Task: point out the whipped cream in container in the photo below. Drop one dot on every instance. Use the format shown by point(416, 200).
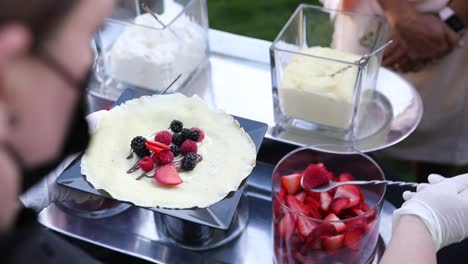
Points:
point(149, 56)
point(312, 90)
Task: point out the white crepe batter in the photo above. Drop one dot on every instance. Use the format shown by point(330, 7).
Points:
point(228, 153)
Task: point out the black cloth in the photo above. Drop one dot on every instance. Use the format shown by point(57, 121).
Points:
point(29, 242)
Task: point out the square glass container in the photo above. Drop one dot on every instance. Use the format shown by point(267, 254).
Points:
point(318, 83)
point(134, 49)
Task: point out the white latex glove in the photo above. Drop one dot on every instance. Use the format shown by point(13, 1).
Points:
point(47, 191)
point(442, 205)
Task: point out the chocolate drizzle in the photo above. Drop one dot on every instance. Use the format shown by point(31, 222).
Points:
point(134, 167)
point(130, 155)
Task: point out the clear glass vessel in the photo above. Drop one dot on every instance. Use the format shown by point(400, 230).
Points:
point(302, 237)
point(317, 80)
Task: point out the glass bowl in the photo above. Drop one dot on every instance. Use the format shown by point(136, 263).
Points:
point(135, 50)
point(306, 233)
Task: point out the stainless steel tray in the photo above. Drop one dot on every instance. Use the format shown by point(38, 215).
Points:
point(236, 79)
point(134, 232)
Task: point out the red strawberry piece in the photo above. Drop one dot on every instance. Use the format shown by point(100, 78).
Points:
point(325, 201)
point(164, 137)
point(331, 176)
point(352, 192)
point(340, 226)
point(287, 226)
point(359, 223)
point(279, 210)
point(146, 163)
point(156, 146)
point(333, 243)
point(301, 196)
point(305, 226)
point(299, 257)
point(164, 157)
point(314, 212)
point(202, 134)
point(338, 204)
point(345, 177)
point(188, 146)
point(311, 202)
point(293, 203)
point(167, 175)
point(314, 195)
point(292, 183)
point(323, 229)
point(282, 195)
point(365, 207)
point(352, 238)
point(357, 211)
point(314, 176)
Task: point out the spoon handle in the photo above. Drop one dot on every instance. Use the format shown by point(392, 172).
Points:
point(399, 183)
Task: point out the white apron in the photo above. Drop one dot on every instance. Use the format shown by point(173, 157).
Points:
point(442, 136)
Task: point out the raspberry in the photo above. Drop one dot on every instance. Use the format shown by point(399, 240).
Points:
point(178, 139)
point(190, 134)
point(138, 146)
point(200, 132)
point(189, 161)
point(188, 146)
point(146, 163)
point(164, 137)
point(164, 157)
point(176, 126)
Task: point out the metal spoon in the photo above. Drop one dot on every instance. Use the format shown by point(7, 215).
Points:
point(363, 60)
point(151, 12)
point(333, 184)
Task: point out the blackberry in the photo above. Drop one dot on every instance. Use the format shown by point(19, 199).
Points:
point(175, 150)
point(176, 126)
point(138, 146)
point(191, 134)
point(178, 139)
point(189, 161)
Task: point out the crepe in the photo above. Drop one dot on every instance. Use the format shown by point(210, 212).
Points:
point(228, 152)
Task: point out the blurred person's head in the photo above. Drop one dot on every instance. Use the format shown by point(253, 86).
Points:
point(45, 57)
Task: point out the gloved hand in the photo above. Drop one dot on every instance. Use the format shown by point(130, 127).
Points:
point(47, 191)
point(442, 205)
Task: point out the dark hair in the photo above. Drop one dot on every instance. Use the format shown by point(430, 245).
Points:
point(41, 17)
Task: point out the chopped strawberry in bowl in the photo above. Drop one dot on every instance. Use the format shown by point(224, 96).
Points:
point(337, 226)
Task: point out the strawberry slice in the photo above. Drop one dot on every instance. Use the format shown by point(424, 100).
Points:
point(314, 195)
point(345, 177)
point(315, 175)
point(305, 226)
point(352, 238)
point(301, 196)
point(296, 205)
point(324, 229)
point(292, 183)
point(352, 192)
point(333, 243)
point(339, 226)
point(338, 204)
point(357, 211)
point(167, 175)
point(359, 223)
point(156, 145)
point(325, 201)
point(287, 226)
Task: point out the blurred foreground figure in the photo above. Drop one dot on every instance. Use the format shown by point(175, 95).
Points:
point(45, 61)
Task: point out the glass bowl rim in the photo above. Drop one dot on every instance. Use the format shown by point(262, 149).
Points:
point(319, 148)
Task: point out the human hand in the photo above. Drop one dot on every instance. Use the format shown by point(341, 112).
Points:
point(442, 205)
point(48, 191)
point(418, 38)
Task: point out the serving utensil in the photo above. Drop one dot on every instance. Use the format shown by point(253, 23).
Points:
point(333, 184)
point(363, 60)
